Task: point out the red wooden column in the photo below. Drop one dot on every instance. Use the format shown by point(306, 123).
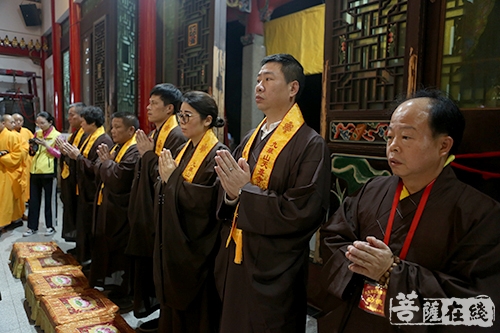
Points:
point(75, 63)
point(56, 60)
point(146, 73)
point(44, 88)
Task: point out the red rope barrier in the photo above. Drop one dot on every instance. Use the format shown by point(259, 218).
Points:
point(485, 174)
point(479, 155)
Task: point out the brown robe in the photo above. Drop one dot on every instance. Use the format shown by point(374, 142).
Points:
point(111, 229)
point(69, 197)
point(187, 240)
point(455, 252)
point(142, 226)
point(87, 187)
point(267, 291)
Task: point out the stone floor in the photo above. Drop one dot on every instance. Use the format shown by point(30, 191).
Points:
point(13, 308)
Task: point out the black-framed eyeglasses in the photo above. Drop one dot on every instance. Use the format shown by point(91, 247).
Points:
point(183, 117)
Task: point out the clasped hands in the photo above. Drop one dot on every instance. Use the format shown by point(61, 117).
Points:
point(371, 258)
point(144, 143)
point(104, 153)
point(233, 175)
point(67, 148)
point(166, 165)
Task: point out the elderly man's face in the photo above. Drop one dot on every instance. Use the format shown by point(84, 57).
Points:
point(412, 151)
point(74, 119)
point(9, 122)
point(19, 121)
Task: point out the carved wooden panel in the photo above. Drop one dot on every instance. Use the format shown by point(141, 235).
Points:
point(366, 67)
point(100, 64)
point(194, 46)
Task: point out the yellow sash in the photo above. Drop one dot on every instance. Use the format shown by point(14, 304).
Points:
point(89, 142)
point(78, 136)
point(117, 159)
point(261, 175)
point(205, 145)
point(170, 124)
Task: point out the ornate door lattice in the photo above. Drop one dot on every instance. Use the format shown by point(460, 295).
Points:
point(126, 50)
point(194, 45)
point(100, 64)
point(365, 71)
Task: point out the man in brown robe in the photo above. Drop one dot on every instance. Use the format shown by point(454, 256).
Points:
point(455, 249)
point(69, 196)
point(261, 276)
point(86, 157)
point(110, 267)
point(164, 102)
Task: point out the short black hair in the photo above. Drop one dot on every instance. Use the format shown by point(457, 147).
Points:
point(444, 115)
point(169, 94)
point(93, 114)
point(205, 105)
point(47, 116)
point(290, 67)
point(129, 119)
point(78, 107)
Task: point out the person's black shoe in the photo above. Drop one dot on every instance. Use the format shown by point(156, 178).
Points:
point(148, 327)
point(15, 224)
point(125, 303)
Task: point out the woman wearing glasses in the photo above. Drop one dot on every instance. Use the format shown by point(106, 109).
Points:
point(43, 173)
point(187, 231)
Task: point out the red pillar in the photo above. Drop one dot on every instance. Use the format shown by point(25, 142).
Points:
point(44, 88)
point(56, 60)
point(146, 73)
point(254, 24)
point(75, 67)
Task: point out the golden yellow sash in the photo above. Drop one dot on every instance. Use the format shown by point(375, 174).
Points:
point(89, 142)
point(78, 136)
point(117, 159)
point(207, 142)
point(261, 175)
point(170, 124)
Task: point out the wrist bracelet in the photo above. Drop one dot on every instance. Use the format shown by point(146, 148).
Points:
point(384, 279)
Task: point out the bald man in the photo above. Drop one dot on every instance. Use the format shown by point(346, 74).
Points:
point(17, 185)
point(26, 134)
point(10, 159)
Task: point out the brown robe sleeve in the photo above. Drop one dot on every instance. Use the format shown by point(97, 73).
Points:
point(187, 233)
point(85, 169)
point(142, 195)
point(455, 251)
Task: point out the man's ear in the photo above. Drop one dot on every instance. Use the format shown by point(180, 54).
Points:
point(446, 144)
point(170, 108)
point(294, 88)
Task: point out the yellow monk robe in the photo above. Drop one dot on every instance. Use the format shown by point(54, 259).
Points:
point(26, 134)
point(8, 168)
point(17, 185)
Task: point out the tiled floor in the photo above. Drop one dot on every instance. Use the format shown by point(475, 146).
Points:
point(13, 311)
